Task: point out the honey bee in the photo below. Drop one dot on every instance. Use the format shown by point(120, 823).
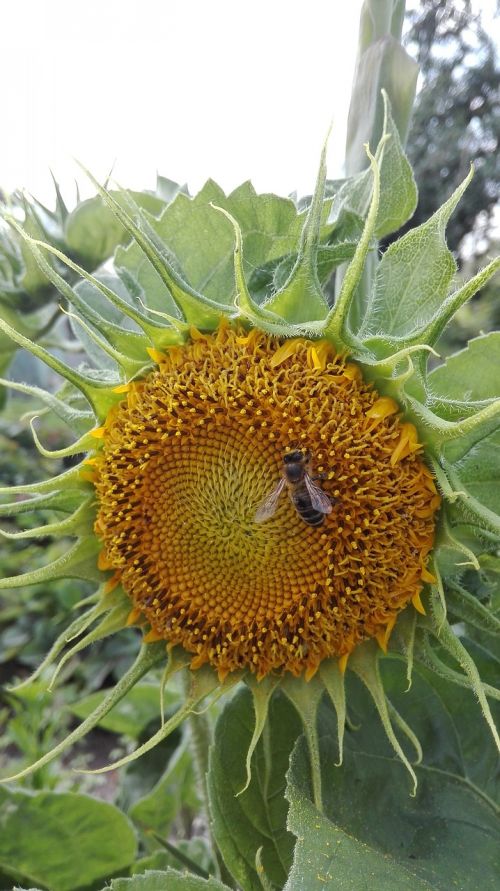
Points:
point(308, 499)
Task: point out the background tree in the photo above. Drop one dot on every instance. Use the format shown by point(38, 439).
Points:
point(456, 116)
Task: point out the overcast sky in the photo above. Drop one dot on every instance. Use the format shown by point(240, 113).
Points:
point(233, 89)
point(192, 89)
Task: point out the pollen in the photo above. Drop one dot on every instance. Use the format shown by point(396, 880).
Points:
point(192, 452)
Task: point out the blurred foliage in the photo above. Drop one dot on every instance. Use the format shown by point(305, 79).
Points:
point(88, 234)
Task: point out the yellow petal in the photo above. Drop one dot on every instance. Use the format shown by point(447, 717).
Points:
point(103, 562)
point(408, 443)
point(112, 583)
point(352, 372)
point(133, 616)
point(195, 334)
point(156, 355)
point(417, 603)
point(152, 636)
point(249, 339)
point(342, 663)
point(318, 355)
point(287, 349)
point(222, 674)
point(399, 451)
point(311, 671)
point(88, 475)
point(384, 635)
point(382, 408)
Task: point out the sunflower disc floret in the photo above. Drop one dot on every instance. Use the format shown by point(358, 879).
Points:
point(188, 457)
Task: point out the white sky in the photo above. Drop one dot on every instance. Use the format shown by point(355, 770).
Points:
point(198, 88)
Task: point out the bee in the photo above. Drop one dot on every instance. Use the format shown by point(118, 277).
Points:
point(308, 499)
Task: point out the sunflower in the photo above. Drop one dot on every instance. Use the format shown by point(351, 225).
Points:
point(188, 457)
point(228, 360)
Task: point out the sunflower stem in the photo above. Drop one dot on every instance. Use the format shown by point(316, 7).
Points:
point(200, 742)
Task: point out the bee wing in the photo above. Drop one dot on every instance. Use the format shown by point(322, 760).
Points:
point(268, 505)
point(319, 499)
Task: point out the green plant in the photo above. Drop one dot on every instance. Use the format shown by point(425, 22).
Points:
point(325, 676)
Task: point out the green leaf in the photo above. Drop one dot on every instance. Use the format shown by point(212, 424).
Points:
point(270, 227)
point(412, 281)
point(167, 189)
point(78, 421)
point(95, 390)
point(104, 307)
point(93, 232)
point(29, 326)
point(470, 464)
point(133, 713)
point(112, 299)
point(479, 471)
point(62, 841)
point(397, 200)
point(255, 819)
point(329, 859)
point(196, 851)
point(192, 306)
point(174, 790)
point(203, 683)
point(470, 376)
point(398, 190)
point(466, 605)
point(435, 327)
point(80, 562)
point(18, 888)
point(447, 720)
point(8, 350)
point(382, 63)
point(351, 283)
point(445, 837)
point(168, 880)
point(341, 245)
point(301, 298)
point(115, 341)
point(33, 280)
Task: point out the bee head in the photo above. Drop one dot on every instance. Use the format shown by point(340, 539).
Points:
point(293, 457)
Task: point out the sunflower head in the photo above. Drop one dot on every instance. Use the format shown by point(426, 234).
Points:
point(272, 486)
point(224, 428)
